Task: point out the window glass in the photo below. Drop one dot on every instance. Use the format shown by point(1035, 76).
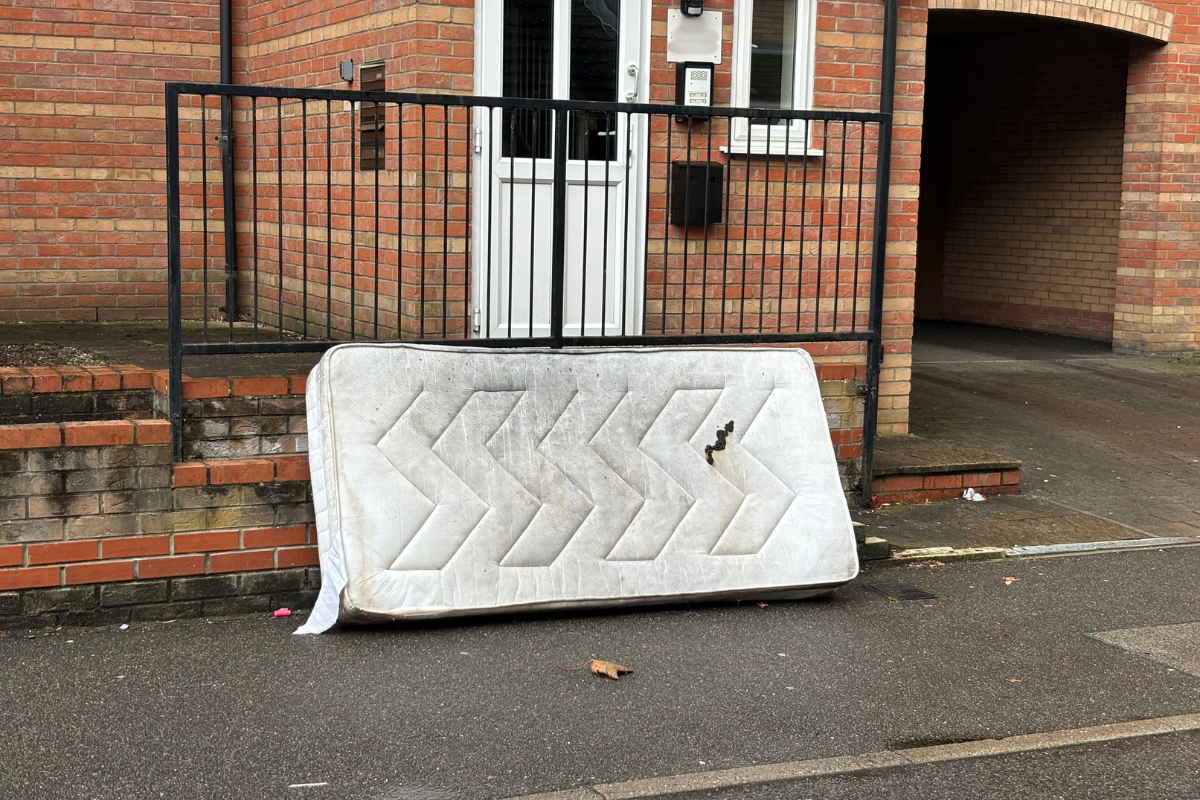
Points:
point(772, 53)
point(372, 120)
point(595, 26)
point(528, 72)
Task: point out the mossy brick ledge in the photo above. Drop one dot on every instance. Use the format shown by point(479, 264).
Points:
point(89, 505)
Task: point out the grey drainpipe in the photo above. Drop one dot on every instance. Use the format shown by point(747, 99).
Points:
point(227, 178)
point(887, 103)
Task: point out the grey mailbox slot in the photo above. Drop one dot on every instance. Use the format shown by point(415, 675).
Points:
point(696, 192)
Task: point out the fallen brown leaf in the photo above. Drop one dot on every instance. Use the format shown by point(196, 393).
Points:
point(608, 668)
point(1009, 581)
point(599, 667)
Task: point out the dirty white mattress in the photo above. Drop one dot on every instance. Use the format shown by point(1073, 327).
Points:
point(460, 480)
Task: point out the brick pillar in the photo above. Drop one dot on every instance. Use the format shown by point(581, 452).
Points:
point(1158, 262)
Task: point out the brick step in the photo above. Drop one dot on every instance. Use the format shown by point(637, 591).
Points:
point(38, 395)
point(912, 469)
point(228, 471)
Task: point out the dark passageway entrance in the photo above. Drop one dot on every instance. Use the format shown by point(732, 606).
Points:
point(1021, 173)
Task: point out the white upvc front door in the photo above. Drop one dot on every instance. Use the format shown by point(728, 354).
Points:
point(570, 50)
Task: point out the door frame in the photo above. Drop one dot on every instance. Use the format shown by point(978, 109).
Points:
point(488, 82)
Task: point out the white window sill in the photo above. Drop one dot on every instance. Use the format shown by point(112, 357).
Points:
point(791, 149)
point(790, 140)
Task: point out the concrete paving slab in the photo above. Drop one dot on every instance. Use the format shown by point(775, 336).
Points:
point(1099, 440)
point(1177, 646)
point(949, 342)
point(916, 455)
point(1114, 441)
point(997, 522)
point(144, 344)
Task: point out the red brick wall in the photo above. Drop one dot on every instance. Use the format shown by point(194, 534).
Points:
point(118, 237)
point(82, 193)
point(1158, 262)
point(847, 69)
point(82, 142)
point(428, 46)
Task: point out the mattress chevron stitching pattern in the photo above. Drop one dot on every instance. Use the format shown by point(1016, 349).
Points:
point(468, 480)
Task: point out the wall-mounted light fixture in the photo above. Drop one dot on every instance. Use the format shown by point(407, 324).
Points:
point(346, 69)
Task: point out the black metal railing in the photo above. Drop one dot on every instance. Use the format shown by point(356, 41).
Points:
point(500, 221)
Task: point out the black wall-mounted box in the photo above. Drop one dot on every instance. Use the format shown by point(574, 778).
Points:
point(696, 192)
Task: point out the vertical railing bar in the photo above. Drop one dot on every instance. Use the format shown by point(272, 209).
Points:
point(279, 221)
point(229, 212)
point(354, 165)
point(808, 128)
point(704, 264)
point(422, 204)
point(583, 282)
point(400, 172)
point(862, 152)
point(375, 229)
point(625, 255)
point(762, 269)
point(687, 230)
point(445, 213)
point(887, 96)
point(469, 232)
point(204, 205)
point(487, 267)
point(174, 278)
point(745, 227)
point(512, 202)
point(609, 154)
point(821, 226)
point(667, 222)
point(558, 255)
point(837, 281)
point(787, 178)
point(304, 218)
point(328, 220)
point(533, 212)
point(254, 172)
point(728, 213)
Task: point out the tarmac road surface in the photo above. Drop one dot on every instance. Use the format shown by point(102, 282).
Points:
point(243, 709)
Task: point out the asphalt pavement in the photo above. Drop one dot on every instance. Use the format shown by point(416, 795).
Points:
point(482, 709)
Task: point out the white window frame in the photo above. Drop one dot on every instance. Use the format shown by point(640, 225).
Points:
point(744, 137)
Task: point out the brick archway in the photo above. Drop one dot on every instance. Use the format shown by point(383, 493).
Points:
point(1122, 15)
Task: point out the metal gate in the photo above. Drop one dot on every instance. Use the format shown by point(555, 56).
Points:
point(494, 222)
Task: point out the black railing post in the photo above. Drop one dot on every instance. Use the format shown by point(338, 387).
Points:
point(227, 177)
point(883, 169)
point(229, 208)
point(558, 252)
point(174, 288)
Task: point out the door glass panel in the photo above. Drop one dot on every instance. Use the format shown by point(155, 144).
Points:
point(595, 30)
point(772, 53)
point(528, 72)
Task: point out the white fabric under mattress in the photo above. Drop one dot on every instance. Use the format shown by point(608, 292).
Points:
point(456, 480)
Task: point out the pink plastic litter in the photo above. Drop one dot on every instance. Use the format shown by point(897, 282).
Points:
point(283, 612)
